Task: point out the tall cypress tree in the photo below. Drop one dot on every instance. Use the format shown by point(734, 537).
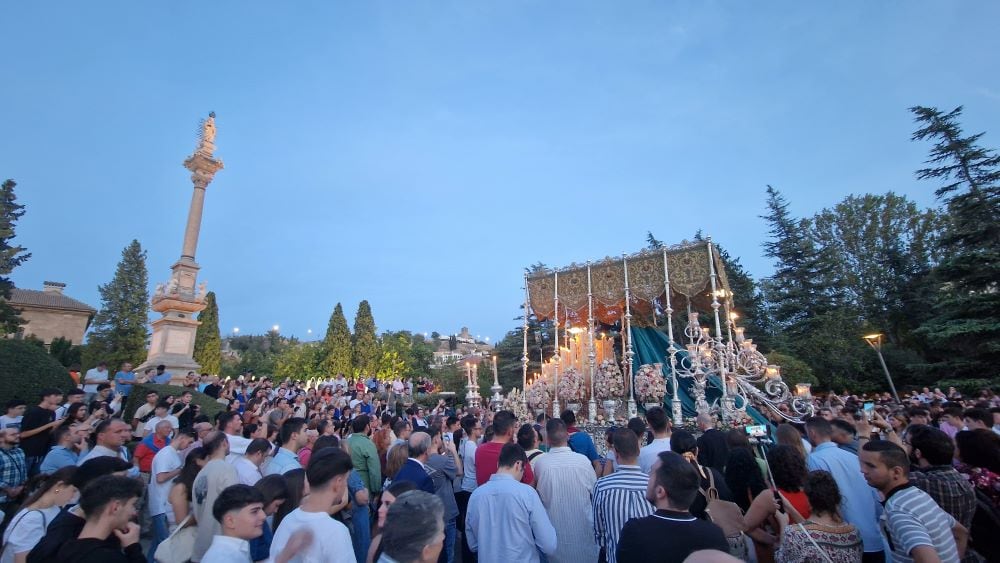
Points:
point(964, 328)
point(366, 350)
point(337, 346)
point(208, 340)
point(11, 256)
point(119, 328)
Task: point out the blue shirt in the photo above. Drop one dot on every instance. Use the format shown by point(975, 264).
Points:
point(283, 462)
point(162, 379)
point(123, 382)
point(57, 458)
point(859, 505)
point(582, 443)
point(506, 521)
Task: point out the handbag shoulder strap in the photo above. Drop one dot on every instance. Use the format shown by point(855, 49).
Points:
point(821, 551)
point(712, 493)
point(180, 526)
point(45, 524)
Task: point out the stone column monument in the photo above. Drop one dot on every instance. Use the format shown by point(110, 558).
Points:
point(180, 298)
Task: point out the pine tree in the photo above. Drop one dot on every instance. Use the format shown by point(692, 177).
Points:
point(802, 286)
point(337, 346)
point(964, 328)
point(366, 353)
point(119, 328)
point(10, 256)
point(208, 340)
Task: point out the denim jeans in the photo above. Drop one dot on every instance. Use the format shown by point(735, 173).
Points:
point(450, 533)
point(362, 538)
point(161, 530)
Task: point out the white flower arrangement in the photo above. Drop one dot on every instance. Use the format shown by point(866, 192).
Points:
point(514, 404)
point(539, 394)
point(608, 381)
point(650, 386)
point(571, 388)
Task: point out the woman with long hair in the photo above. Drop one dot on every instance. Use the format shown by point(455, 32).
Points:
point(396, 460)
point(978, 453)
point(180, 492)
point(51, 493)
point(382, 439)
point(789, 472)
point(389, 496)
point(742, 471)
point(275, 492)
point(298, 488)
point(824, 536)
point(788, 435)
point(683, 443)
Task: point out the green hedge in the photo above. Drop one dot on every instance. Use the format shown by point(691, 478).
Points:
point(26, 369)
point(137, 397)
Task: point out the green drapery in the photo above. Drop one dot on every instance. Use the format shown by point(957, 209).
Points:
point(650, 347)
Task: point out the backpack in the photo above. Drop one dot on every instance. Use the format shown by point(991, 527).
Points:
point(726, 515)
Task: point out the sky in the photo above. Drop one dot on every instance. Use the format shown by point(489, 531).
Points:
point(421, 154)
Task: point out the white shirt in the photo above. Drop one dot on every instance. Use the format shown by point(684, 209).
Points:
point(248, 472)
point(237, 447)
point(100, 451)
point(166, 460)
point(331, 540)
point(92, 373)
point(225, 549)
point(565, 481)
point(10, 421)
point(649, 453)
point(24, 531)
point(151, 424)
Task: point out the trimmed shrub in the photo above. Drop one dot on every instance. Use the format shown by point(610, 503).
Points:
point(26, 369)
point(137, 396)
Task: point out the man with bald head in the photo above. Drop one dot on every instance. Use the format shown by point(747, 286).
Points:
point(416, 470)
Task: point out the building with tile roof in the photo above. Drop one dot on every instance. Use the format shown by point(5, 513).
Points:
point(49, 313)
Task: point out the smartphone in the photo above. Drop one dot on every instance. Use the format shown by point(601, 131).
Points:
point(756, 430)
point(869, 410)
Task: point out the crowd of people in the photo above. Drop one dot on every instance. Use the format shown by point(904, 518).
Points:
point(343, 470)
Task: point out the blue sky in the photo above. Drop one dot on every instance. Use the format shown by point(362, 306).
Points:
point(421, 154)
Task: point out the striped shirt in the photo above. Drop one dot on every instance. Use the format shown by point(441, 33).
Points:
point(565, 482)
point(618, 498)
point(912, 519)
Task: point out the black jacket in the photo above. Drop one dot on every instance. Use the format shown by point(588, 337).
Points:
point(93, 550)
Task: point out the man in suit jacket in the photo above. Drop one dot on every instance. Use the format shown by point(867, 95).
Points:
point(416, 470)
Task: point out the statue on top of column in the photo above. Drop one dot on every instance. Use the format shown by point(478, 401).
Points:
point(207, 135)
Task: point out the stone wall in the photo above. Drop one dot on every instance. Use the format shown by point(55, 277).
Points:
point(47, 324)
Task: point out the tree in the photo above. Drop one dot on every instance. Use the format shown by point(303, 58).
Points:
point(884, 245)
point(964, 327)
point(208, 340)
point(653, 243)
point(747, 301)
point(365, 352)
point(299, 362)
point(337, 344)
point(65, 352)
point(119, 333)
point(803, 286)
point(11, 256)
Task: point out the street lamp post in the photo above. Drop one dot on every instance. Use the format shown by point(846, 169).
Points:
point(875, 341)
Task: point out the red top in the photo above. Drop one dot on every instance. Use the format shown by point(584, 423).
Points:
point(144, 454)
point(487, 460)
point(799, 501)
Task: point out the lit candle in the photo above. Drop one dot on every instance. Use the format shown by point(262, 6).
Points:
point(494, 369)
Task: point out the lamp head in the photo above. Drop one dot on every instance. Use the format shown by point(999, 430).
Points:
point(873, 337)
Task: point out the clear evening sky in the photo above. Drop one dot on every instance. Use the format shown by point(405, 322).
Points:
point(421, 154)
